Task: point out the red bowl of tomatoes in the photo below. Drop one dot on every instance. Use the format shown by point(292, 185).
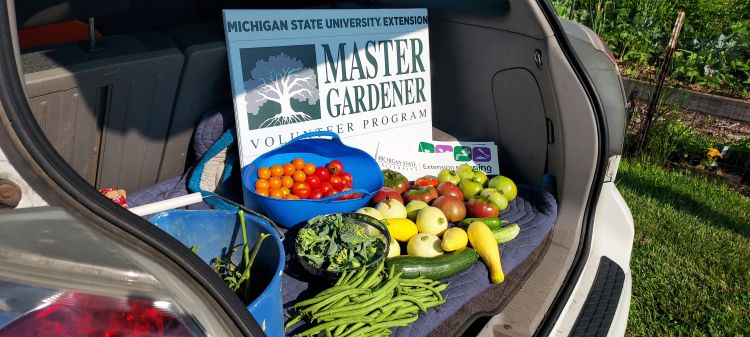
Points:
point(311, 175)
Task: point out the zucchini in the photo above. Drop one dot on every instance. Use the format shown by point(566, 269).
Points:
point(433, 267)
point(492, 223)
point(506, 233)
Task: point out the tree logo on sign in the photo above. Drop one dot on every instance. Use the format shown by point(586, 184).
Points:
point(281, 90)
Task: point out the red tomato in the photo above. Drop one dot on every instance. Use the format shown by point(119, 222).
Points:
point(336, 181)
point(301, 188)
point(345, 197)
point(322, 173)
point(313, 180)
point(331, 192)
point(326, 187)
point(335, 166)
point(316, 194)
point(346, 178)
point(427, 181)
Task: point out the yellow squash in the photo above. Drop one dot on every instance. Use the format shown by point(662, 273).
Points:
point(484, 243)
point(401, 229)
point(454, 239)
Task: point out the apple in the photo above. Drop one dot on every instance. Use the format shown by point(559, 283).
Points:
point(469, 188)
point(426, 194)
point(453, 208)
point(431, 220)
point(481, 177)
point(487, 191)
point(413, 207)
point(465, 171)
point(505, 185)
point(386, 193)
point(395, 180)
point(498, 200)
point(427, 181)
point(371, 212)
point(448, 175)
point(391, 209)
point(450, 189)
point(481, 207)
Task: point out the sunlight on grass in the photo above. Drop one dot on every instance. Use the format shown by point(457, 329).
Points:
point(691, 256)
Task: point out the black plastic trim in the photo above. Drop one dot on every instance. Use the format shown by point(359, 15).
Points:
point(42, 167)
point(584, 244)
point(599, 310)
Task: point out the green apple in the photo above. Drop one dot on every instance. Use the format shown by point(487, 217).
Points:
point(465, 171)
point(448, 175)
point(481, 176)
point(371, 211)
point(498, 200)
point(487, 191)
point(505, 186)
point(469, 188)
point(413, 207)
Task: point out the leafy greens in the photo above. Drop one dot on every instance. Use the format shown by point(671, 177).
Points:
point(336, 243)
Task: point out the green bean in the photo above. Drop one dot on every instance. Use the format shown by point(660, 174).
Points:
point(342, 278)
point(373, 298)
point(332, 298)
point(322, 295)
point(358, 278)
point(328, 333)
point(292, 321)
point(381, 325)
point(376, 273)
point(340, 329)
point(337, 304)
point(430, 304)
point(356, 309)
point(411, 299)
point(320, 327)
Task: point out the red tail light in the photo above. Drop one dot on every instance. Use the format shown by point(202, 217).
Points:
point(70, 314)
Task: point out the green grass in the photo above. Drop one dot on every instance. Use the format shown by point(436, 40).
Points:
point(691, 256)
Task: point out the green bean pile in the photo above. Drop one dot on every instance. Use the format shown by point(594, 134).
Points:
point(368, 304)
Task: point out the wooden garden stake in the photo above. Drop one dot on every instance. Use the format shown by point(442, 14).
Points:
point(660, 78)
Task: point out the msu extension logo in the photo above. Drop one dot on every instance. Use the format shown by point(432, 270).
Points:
point(281, 85)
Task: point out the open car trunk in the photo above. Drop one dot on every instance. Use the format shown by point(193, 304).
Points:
point(138, 114)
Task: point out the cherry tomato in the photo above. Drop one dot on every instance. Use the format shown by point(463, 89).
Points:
point(309, 168)
point(298, 163)
point(316, 194)
point(301, 190)
point(335, 166)
point(287, 181)
point(262, 192)
point(264, 173)
point(331, 192)
point(274, 183)
point(291, 197)
point(313, 181)
point(299, 176)
point(336, 181)
point(322, 173)
point(275, 193)
point(345, 197)
point(277, 170)
point(261, 184)
point(285, 191)
point(326, 187)
point(346, 178)
point(289, 169)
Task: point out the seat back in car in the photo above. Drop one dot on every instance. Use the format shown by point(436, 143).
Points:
point(107, 113)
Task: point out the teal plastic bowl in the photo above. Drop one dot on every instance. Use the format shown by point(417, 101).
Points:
point(365, 172)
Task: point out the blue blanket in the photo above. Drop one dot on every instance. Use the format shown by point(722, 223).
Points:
point(534, 210)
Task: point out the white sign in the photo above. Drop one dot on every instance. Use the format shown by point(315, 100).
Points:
point(363, 74)
point(420, 158)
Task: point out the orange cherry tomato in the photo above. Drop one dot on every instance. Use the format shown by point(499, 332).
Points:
point(309, 168)
point(264, 173)
point(261, 184)
point(277, 170)
point(289, 169)
point(299, 176)
point(287, 181)
point(291, 197)
point(274, 183)
point(285, 191)
point(262, 192)
point(276, 193)
point(298, 163)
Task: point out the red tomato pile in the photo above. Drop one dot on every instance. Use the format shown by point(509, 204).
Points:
point(299, 180)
